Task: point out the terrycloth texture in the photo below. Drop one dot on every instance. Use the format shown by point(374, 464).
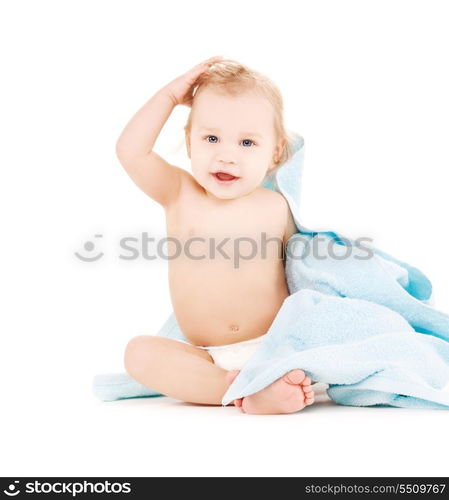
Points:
point(364, 326)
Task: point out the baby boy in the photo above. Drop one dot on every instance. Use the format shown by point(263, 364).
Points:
point(234, 137)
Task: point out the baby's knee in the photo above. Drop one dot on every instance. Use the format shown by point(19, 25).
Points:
point(138, 353)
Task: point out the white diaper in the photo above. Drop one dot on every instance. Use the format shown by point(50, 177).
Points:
point(233, 356)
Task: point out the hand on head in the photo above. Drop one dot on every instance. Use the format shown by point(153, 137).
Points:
point(181, 89)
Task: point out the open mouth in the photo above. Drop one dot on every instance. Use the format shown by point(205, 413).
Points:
point(225, 178)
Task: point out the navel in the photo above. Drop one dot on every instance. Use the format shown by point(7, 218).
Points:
point(234, 328)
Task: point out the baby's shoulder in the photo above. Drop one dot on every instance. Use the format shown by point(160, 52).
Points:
point(279, 209)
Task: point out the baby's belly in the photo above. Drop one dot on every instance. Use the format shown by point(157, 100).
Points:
point(217, 305)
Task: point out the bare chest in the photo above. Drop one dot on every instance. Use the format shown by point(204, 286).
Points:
point(251, 229)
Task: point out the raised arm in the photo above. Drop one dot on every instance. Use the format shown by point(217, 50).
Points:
point(157, 178)
point(151, 173)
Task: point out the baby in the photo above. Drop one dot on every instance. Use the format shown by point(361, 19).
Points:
point(234, 137)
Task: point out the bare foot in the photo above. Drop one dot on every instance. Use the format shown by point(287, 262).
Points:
point(289, 394)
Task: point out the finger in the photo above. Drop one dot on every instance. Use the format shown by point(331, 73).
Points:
point(195, 72)
point(204, 66)
point(212, 60)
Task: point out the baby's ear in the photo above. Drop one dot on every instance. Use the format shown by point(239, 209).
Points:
point(275, 163)
point(277, 155)
point(280, 147)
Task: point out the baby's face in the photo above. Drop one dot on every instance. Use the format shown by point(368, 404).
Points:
point(231, 134)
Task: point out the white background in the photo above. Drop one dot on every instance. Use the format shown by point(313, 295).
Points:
point(364, 82)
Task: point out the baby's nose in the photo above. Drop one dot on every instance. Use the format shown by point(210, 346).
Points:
point(226, 163)
point(226, 157)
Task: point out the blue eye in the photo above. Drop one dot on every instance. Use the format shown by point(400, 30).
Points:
point(215, 137)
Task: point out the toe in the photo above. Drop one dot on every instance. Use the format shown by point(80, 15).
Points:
point(309, 398)
point(307, 381)
point(294, 377)
point(307, 388)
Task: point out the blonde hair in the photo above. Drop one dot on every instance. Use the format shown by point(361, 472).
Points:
point(233, 78)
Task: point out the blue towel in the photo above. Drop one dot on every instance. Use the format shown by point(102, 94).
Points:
point(361, 322)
